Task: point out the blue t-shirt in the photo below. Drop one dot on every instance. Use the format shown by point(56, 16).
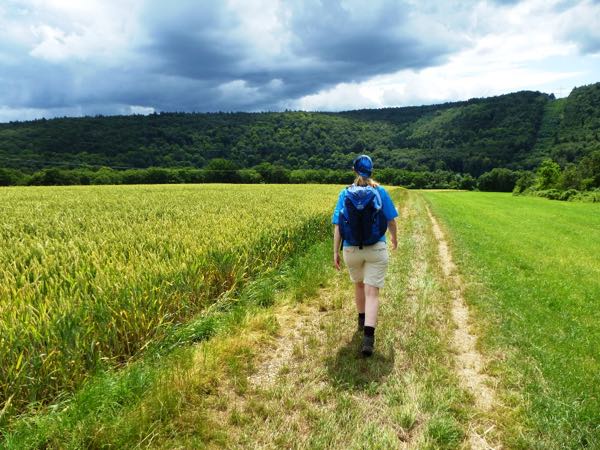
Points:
point(389, 210)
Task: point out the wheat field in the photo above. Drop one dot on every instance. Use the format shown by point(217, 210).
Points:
point(89, 276)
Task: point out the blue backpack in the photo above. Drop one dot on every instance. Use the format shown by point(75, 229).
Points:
point(362, 221)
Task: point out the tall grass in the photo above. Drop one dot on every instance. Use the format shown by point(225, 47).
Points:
point(538, 261)
point(89, 276)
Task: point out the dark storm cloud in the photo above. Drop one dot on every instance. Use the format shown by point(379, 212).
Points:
point(193, 40)
point(198, 47)
point(197, 56)
point(37, 85)
point(194, 50)
point(354, 44)
point(381, 43)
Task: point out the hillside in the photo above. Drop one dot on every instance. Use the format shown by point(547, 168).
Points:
point(513, 130)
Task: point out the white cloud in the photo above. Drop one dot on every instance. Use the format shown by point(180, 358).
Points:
point(55, 45)
point(262, 23)
point(344, 96)
point(60, 30)
point(143, 110)
point(238, 89)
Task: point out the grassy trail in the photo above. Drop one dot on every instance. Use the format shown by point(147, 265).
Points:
point(305, 385)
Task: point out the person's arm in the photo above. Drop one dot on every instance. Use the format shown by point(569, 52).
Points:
point(337, 236)
point(390, 212)
point(337, 241)
point(393, 233)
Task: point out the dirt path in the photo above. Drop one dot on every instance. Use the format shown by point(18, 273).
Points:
point(470, 363)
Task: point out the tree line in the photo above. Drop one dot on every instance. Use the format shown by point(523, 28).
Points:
point(548, 180)
point(221, 171)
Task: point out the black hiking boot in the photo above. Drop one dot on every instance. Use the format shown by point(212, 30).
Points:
point(367, 346)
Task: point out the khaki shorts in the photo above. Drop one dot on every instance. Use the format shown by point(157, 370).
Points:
point(367, 265)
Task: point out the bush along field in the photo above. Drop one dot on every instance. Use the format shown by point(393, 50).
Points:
point(534, 280)
point(572, 182)
point(90, 276)
point(579, 182)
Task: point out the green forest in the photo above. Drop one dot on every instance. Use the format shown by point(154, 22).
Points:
point(456, 142)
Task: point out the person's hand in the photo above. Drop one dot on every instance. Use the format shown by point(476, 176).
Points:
point(394, 243)
point(337, 261)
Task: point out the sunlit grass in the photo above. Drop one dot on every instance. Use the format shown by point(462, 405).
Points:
point(540, 267)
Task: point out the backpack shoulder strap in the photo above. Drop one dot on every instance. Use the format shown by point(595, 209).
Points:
point(378, 199)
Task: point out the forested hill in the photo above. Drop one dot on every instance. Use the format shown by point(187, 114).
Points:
point(515, 131)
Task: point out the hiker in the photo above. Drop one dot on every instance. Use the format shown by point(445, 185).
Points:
point(363, 212)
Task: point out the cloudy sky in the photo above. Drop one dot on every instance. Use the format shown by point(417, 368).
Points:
point(87, 57)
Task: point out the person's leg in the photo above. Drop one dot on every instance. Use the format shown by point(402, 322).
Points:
point(354, 259)
point(371, 309)
point(371, 305)
point(376, 262)
point(359, 298)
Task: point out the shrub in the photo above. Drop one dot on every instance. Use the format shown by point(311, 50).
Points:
point(568, 194)
point(11, 177)
point(106, 175)
point(524, 183)
point(552, 194)
point(250, 176)
point(548, 175)
point(570, 178)
point(589, 196)
point(498, 180)
point(54, 177)
point(467, 182)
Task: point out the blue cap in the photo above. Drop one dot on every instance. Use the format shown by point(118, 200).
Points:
point(363, 166)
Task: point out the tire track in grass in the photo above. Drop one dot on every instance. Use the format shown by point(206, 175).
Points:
point(292, 324)
point(414, 285)
point(470, 363)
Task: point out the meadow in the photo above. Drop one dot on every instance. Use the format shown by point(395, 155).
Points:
point(232, 288)
point(91, 276)
point(533, 274)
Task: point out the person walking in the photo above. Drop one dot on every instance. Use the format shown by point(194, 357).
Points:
point(363, 213)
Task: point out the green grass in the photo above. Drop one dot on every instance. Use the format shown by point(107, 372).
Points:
point(533, 268)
